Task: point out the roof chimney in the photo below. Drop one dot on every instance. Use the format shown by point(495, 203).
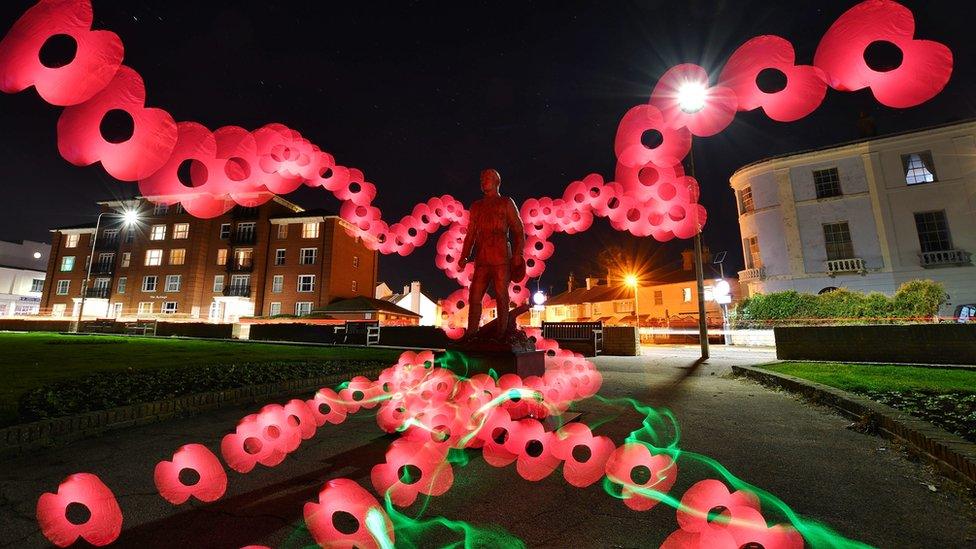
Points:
point(688, 260)
point(571, 283)
point(592, 282)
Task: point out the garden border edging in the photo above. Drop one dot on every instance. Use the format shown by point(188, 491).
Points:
point(21, 438)
point(952, 454)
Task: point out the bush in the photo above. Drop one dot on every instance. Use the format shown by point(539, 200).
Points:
point(914, 300)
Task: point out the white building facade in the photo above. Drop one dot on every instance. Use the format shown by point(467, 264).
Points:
point(412, 299)
point(867, 216)
point(22, 272)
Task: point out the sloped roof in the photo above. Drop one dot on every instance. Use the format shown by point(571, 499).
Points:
point(363, 304)
point(595, 294)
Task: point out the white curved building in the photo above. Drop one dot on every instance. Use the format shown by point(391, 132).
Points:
point(866, 215)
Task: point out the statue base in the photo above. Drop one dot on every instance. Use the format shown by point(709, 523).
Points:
point(470, 362)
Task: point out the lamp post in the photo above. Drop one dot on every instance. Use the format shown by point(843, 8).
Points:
point(633, 282)
point(691, 99)
point(129, 217)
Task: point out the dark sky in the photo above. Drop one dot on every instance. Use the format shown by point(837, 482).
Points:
point(422, 95)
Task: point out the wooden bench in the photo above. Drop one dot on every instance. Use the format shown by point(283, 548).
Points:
point(358, 332)
point(100, 326)
point(141, 327)
point(585, 336)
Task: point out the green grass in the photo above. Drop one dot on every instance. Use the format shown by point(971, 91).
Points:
point(35, 359)
point(861, 378)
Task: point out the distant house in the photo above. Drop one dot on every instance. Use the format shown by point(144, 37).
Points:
point(369, 308)
point(413, 299)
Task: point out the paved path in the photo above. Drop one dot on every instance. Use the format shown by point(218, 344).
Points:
point(857, 484)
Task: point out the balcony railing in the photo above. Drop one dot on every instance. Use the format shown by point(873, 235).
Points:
point(759, 273)
point(98, 293)
point(238, 239)
point(237, 290)
point(849, 265)
point(107, 243)
point(103, 268)
point(240, 267)
point(945, 258)
point(241, 212)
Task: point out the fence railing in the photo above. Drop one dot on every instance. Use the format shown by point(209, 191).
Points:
point(849, 265)
point(759, 273)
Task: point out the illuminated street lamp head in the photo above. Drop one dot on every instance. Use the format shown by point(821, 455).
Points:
point(130, 217)
point(691, 97)
point(539, 298)
point(631, 280)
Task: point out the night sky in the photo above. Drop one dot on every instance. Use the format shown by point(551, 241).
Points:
point(422, 95)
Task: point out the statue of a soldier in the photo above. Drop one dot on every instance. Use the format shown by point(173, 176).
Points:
point(494, 220)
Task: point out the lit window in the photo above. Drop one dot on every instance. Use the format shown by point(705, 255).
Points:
point(177, 256)
point(919, 168)
point(222, 257)
point(282, 232)
point(145, 307)
point(745, 200)
point(279, 257)
point(277, 284)
point(753, 258)
point(686, 295)
point(218, 285)
point(126, 258)
point(160, 209)
point(303, 308)
point(154, 258)
point(63, 286)
point(837, 241)
point(149, 283)
point(158, 232)
point(355, 261)
point(306, 283)
point(181, 231)
point(67, 263)
point(355, 285)
point(310, 230)
point(275, 308)
point(173, 283)
point(122, 284)
point(169, 307)
point(827, 183)
point(37, 285)
point(71, 240)
point(307, 256)
point(224, 231)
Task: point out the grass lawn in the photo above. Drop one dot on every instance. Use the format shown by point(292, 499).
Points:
point(34, 359)
point(861, 378)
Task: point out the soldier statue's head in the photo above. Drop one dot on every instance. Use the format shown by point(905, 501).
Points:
point(491, 180)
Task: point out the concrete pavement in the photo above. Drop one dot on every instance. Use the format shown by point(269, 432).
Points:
point(855, 483)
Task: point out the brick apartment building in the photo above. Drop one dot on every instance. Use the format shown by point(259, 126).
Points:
point(273, 259)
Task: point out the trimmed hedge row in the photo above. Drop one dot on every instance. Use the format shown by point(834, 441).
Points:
point(105, 390)
point(914, 301)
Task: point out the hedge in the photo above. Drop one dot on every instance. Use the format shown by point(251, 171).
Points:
point(916, 300)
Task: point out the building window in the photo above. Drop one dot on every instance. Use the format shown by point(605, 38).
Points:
point(149, 283)
point(827, 183)
point(753, 259)
point(181, 231)
point(37, 285)
point(919, 168)
point(282, 231)
point(355, 261)
point(145, 307)
point(154, 258)
point(275, 308)
point(933, 231)
point(58, 309)
point(170, 307)
point(306, 283)
point(126, 258)
point(224, 231)
point(122, 283)
point(179, 208)
point(240, 284)
point(686, 295)
point(307, 256)
point(71, 240)
point(745, 200)
point(67, 263)
point(63, 286)
point(244, 258)
point(130, 236)
point(106, 260)
point(110, 235)
point(277, 284)
point(160, 209)
point(658, 297)
point(173, 283)
point(157, 232)
point(177, 256)
point(310, 230)
point(218, 285)
point(303, 308)
point(245, 233)
point(837, 239)
point(355, 285)
point(222, 257)
point(279, 257)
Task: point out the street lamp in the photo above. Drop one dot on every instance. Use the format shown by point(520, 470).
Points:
point(632, 281)
point(129, 218)
point(691, 97)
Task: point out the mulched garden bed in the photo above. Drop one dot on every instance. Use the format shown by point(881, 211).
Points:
point(953, 411)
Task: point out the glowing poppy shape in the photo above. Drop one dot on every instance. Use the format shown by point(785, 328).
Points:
point(338, 520)
point(702, 116)
point(925, 65)
point(104, 522)
point(494, 433)
point(327, 407)
point(362, 217)
point(265, 438)
point(584, 456)
point(359, 393)
point(532, 445)
point(330, 176)
point(538, 248)
point(412, 468)
point(210, 482)
point(236, 164)
point(736, 527)
point(804, 86)
point(629, 462)
point(706, 495)
point(97, 58)
point(81, 142)
point(275, 149)
point(641, 182)
point(300, 417)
